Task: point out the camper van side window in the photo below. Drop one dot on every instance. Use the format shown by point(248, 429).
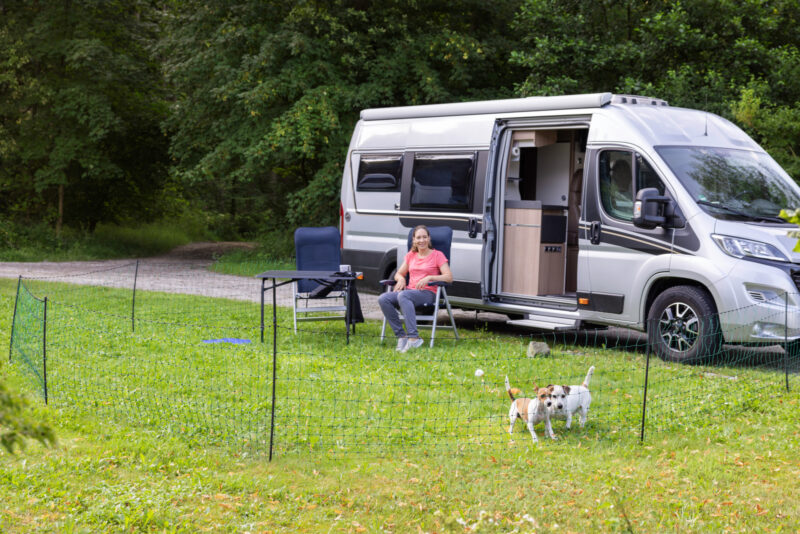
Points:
point(647, 177)
point(380, 173)
point(622, 174)
point(443, 181)
point(616, 183)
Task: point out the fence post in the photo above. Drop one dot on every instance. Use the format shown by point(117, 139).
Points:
point(274, 360)
point(13, 320)
point(646, 379)
point(133, 300)
point(44, 350)
point(786, 338)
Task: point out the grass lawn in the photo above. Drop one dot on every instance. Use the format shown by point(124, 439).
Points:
point(159, 431)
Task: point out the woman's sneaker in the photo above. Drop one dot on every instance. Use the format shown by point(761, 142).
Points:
point(413, 344)
point(401, 344)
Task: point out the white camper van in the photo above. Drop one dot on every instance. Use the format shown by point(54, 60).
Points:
point(586, 209)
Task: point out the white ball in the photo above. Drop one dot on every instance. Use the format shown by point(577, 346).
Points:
point(479, 372)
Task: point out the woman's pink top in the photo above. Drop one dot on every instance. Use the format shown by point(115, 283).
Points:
point(419, 268)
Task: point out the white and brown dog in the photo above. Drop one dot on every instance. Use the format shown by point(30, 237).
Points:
point(569, 399)
point(531, 411)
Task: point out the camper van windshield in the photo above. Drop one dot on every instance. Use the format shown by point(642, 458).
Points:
point(732, 184)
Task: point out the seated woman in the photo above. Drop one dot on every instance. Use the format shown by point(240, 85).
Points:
point(424, 265)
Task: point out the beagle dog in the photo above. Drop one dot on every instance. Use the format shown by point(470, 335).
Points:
point(531, 411)
point(569, 399)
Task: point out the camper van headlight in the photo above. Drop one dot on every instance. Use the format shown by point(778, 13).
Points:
point(745, 248)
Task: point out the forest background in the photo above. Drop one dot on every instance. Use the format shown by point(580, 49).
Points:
point(231, 119)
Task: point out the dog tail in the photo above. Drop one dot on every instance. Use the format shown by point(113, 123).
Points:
point(588, 377)
point(510, 391)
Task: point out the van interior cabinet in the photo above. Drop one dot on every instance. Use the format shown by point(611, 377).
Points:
point(534, 249)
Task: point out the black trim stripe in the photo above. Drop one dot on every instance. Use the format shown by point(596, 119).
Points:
point(471, 290)
point(459, 223)
point(636, 241)
point(602, 302)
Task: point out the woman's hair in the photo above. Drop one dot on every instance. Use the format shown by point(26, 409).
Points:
point(420, 227)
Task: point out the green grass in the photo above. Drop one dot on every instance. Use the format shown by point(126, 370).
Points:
point(251, 263)
point(161, 432)
point(275, 251)
point(39, 243)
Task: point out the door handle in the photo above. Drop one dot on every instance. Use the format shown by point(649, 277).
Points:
point(473, 227)
point(594, 233)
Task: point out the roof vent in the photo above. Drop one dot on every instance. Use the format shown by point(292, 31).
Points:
point(636, 99)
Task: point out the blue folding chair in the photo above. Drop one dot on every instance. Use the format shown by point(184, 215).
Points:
point(317, 249)
point(428, 314)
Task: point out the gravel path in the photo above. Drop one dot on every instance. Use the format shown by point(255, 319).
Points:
point(183, 270)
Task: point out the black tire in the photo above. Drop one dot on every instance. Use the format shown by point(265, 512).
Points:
point(683, 325)
point(793, 349)
point(390, 276)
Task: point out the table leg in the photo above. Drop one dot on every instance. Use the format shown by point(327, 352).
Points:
point(274, 314)
point(274, 363)
point(348, 310)
point(263, 280)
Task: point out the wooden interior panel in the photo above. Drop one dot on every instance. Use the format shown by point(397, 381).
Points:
point(530, 267)
point(538, 137)
point(551, 270)
point(523, 234)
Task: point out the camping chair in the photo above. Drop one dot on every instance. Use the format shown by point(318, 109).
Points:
point(428, 314)
point(317, 249)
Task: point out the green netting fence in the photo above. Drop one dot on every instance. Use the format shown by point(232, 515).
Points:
point(135, 352)
point(29, 337)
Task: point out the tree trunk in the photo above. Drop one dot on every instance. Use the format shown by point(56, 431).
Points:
point(60, 220)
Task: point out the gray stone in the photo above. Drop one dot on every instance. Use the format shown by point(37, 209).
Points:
point(538, 348)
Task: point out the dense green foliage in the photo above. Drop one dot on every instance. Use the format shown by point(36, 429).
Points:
point(16, 425)
point(80, 112)
point(736, 58)
point(127, 112)
point(268, 92)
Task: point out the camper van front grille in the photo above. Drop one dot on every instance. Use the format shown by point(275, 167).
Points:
point(796, 279)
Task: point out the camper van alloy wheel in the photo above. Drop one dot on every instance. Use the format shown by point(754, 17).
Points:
point(682, 325)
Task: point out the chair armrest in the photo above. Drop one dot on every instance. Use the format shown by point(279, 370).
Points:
point(393, 282)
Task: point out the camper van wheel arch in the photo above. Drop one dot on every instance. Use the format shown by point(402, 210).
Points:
point(683, 326)
point(389, 273)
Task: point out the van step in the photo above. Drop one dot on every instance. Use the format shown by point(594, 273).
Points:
point(545, 323)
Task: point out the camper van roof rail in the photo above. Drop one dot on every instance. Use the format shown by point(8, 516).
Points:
point(533, 103)
point(636, 99)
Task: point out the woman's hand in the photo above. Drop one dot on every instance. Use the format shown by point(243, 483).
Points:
point(400, 277)
point(424, 282)
point(400, 284)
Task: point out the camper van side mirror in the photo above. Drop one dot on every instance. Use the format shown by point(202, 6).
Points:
point(649, 210)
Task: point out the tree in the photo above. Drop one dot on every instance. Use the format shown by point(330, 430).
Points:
point(267, 93)
point(716, 55)
point(80, 111)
